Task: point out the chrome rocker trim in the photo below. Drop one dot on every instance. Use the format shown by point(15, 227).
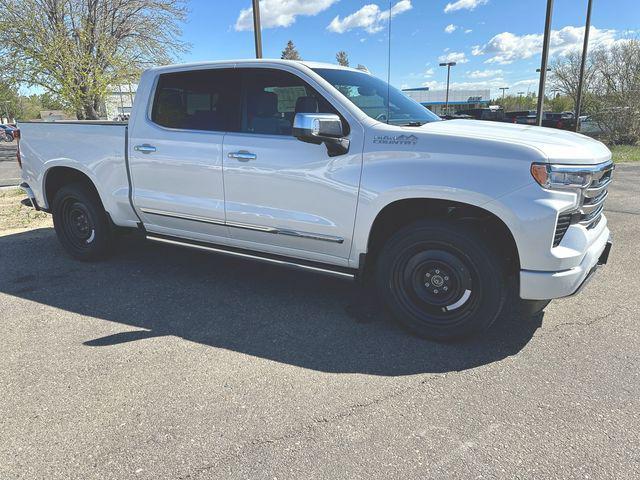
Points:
point(246, 226)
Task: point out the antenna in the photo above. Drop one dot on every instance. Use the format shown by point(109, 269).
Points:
point(389, 69)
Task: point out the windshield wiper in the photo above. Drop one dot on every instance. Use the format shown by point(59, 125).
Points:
point(413, 124)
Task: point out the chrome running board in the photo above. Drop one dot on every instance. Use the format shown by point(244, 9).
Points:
point(262, 257)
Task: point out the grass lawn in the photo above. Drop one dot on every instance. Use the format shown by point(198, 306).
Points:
point(15, 216)
point(625, 153)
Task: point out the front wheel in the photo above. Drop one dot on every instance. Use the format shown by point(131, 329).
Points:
point(441, 280)
point(81, 223)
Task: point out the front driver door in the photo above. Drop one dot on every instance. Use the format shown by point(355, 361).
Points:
point(282, 195)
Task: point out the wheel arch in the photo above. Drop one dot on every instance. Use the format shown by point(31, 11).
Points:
point(58, 176)
point(404, 211)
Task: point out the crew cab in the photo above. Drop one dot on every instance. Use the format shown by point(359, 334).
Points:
point(330, 169)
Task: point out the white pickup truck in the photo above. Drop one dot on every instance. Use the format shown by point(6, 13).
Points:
point(332, 170)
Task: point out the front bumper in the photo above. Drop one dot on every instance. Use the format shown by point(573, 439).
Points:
point(535, 285)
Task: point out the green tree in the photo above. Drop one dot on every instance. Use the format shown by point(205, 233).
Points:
point(75, 49)
point(342, 58)
point(290, 52)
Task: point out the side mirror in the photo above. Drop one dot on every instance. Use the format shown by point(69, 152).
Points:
point(320, 128)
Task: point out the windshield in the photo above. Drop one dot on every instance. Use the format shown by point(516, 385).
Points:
point(376, 98)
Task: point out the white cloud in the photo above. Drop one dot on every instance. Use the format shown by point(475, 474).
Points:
point(450, 28)
point(280, 13)
point(484, 73)
point(429, 72)
point(464, 5)
point(468, 30)
point(370, 18)
point(458, 57)
point(507, 47)
point(527, 83)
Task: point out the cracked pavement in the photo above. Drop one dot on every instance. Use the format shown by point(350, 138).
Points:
point(164, 363)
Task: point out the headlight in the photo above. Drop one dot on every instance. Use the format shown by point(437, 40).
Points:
point(561, 177)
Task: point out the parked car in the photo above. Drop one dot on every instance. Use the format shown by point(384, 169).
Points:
point(292, 163)
point(456, 116)
point(9, 133)
point(562, 121)
point(491, 114)
point(591, 127)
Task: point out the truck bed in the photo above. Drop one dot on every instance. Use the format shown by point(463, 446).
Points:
point(97, 149)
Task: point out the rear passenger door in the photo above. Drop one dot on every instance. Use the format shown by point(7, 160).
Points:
point(175, 153)
point(282, 195)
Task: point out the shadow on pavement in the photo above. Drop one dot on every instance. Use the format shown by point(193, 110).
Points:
point(286, 316)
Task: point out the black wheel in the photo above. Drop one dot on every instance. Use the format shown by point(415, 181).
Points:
point(82, 226)
point(441, 280)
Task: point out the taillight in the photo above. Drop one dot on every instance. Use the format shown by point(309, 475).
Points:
point(559, 124)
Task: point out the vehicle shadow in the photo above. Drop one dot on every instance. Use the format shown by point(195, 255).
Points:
point(292, 317)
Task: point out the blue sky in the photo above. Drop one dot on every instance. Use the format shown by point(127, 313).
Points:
point(496, 42)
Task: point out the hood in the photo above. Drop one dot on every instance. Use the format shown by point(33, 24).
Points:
point(558, 146)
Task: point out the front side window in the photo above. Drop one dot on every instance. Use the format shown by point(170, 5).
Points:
point(271, 99)
point(197, 100)
point(376, 98)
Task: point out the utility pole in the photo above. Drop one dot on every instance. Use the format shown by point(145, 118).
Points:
point(256, 28)
point(545, 62)
point(446, 102)
point(582, 65)
point(503, 90)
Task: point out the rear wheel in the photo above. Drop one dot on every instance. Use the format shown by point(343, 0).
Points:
point(81, 223)
point(441, 280)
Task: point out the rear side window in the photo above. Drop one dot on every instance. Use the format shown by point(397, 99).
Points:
point(271, 99)
point(198, 100)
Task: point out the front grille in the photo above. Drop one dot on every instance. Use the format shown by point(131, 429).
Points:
point(562, 226)
point(594, 196)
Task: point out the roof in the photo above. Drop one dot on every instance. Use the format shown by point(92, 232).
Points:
point(251, 61)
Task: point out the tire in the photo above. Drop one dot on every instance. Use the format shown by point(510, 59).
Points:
point(441, 280)
point(81, 223)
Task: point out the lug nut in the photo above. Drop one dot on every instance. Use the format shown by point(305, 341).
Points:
point(445, 288)
point(435, 291)
point(446, 278)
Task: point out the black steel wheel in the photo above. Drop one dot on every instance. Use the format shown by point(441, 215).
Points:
point(441, 280)
point(82, 226)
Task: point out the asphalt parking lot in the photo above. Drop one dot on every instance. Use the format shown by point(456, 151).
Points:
point(163, 363)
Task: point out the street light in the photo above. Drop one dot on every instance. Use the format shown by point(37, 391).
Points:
point(582, 65)
point(256, 28)
point(545, 60)
point(448, 65)
point(503, 90)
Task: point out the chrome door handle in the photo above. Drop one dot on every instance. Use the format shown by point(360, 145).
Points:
point(146, 148)
point(243, 156)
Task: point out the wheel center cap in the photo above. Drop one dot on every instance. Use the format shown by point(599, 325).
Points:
point(437, 281)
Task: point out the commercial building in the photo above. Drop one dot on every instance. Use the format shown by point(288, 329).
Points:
point(435, 100)
point(119, 100)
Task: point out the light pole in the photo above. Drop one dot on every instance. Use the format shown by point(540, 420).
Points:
point(520, 94)
point(256, 28)
point(448, 65)
point(582, 66)
point(503, 90)
point(545, 61)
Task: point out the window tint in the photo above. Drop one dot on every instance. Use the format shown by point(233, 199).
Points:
point(271, 99)
point(197, 100)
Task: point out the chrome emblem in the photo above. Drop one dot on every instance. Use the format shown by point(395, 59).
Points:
point(396, 139)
